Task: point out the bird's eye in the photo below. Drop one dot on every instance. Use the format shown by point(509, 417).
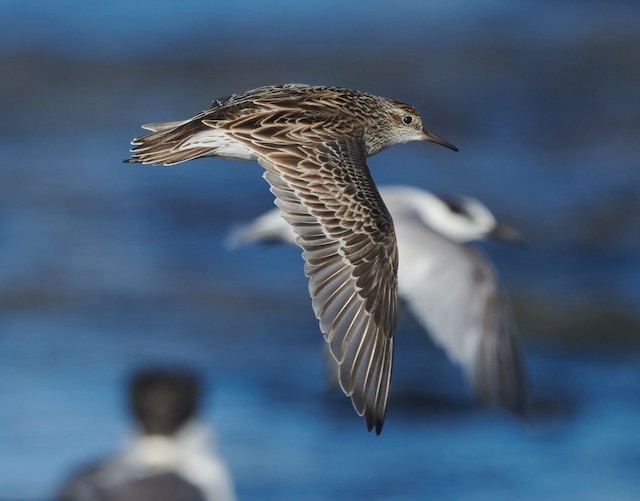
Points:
point(407, 119)
point(455, 206)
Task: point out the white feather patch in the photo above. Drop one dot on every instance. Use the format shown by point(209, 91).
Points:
point(218, 141)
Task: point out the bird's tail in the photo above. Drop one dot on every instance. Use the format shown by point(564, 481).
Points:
point(167, 144)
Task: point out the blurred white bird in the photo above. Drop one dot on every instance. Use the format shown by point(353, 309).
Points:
point(170, 458)
point(450, 287)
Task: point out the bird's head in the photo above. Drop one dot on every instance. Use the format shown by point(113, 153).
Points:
point(405, 124)
point(464, 219)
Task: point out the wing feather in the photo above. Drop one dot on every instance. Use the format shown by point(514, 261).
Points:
point(349, 247)
point(454, 293)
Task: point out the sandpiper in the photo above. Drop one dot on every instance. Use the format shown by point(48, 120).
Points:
point(451, 288)
point(313, 142)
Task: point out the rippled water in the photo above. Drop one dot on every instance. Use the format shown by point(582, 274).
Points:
point(106, 267)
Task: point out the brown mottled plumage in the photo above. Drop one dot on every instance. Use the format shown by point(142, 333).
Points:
point(313, 142)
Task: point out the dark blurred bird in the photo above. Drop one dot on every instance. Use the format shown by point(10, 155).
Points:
point(169, 459)
point(450, 287)
point(313, 142)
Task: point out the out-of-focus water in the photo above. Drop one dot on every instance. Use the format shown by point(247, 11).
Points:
point(107, 267)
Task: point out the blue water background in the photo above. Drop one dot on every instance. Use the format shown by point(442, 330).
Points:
point(107, 267)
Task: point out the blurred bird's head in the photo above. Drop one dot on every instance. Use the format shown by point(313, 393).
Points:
point(163, 399)
point(463, 219)
point(458, 218)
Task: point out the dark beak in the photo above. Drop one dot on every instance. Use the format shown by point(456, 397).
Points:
point(428, 136)
point(506, 233)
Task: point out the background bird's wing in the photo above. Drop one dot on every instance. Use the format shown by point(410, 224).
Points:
point(453, 291)
point(266, 228)
point(326, 194)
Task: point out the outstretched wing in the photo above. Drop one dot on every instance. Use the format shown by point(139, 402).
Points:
point(326, 194)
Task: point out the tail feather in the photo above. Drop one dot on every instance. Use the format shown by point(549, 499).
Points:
point(162, 145)
point(163, 126)
point(169, 157)
point(171, 143)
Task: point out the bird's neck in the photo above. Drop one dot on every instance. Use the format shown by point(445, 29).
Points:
point(163, 452)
